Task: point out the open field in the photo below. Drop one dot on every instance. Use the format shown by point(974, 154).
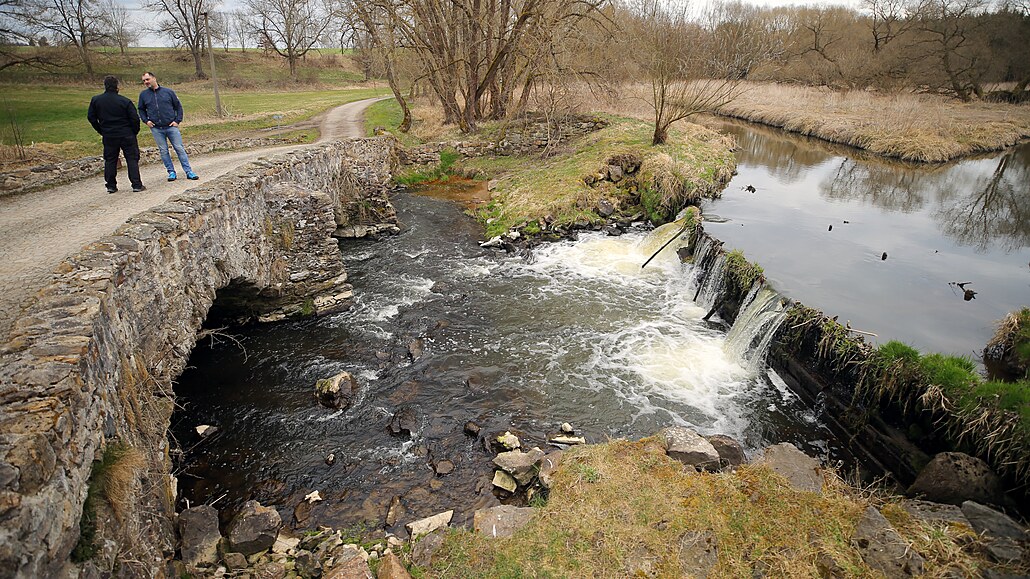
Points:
point(48, 110)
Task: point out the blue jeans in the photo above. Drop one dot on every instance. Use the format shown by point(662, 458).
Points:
point(164, 135)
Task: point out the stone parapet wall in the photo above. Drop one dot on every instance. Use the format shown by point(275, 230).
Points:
point(54, 174)
point(533, 136)
point(87, 371)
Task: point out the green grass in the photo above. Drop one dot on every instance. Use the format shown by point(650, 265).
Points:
point(60, 118)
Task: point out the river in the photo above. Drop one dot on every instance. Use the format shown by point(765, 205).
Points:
point(574, 332)
point(822, 217)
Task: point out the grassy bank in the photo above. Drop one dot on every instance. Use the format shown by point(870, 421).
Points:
point(625, 509)
point(912, 127)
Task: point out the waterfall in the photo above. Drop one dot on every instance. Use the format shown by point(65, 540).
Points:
point(752, 332)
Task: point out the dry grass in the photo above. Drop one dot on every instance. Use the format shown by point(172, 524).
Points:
point(913, 127)
point(625, 509)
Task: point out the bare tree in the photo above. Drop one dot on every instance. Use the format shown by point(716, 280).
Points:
point(291, 27)
point(183, 22)
point(951, 36)
point(888, 20)
point(379, 24)
point(691, 69)
point(123, 30)
point(80, 23)
point(242, 27)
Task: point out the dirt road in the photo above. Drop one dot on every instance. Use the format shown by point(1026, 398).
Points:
point(38, 230)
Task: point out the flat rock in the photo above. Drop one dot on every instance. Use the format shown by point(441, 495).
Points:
point(935, 512)
point(501, 521)
point(1006, 540)
point(801, 470)
point(689, 447)
point(520, 465)
point(954, 477)
point(429, 524)
point(883, 549)
point(423, 549)
point(505, 481)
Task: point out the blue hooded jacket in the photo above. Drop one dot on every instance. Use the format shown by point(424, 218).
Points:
point(160, 106)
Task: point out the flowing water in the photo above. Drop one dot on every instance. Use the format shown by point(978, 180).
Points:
point(575, 332)
point(822, 218)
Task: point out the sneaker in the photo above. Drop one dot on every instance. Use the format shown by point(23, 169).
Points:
point(140, 188)
point(191, 176)
point(112, 189)
point(171, 176)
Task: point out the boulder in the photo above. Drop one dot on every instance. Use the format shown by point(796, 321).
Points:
point(253, 529)
point(883, 549)
point(348, 564)
point(955, 477)
point(731, 453)
point(802, 471)
point(509, 441)
point(404, 422)
point(336, 392)
point(501, 521)
point(429, 524)
point(520, 465)
point(198, 530)
point(935, 512)
point(391, 568)
point(689, 447)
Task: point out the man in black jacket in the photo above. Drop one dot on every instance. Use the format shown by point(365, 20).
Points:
point(115, 118)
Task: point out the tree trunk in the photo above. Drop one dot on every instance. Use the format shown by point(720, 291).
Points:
point(197, 60)
point(661, 135)
point(391, 78)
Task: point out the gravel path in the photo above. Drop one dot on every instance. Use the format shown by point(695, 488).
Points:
point(38, 230)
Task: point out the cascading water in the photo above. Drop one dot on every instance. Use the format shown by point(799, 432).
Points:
point(761, 315)
point(580, 333)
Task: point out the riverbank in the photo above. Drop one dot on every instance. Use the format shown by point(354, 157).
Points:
point(907, 126)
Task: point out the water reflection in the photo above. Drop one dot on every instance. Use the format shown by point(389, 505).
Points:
point(823, 214)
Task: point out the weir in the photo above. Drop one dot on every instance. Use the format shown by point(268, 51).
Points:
point(86, 374)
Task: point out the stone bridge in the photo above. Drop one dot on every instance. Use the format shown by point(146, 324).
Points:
point(86, 378)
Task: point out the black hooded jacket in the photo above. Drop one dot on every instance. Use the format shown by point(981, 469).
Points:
point(113, 115)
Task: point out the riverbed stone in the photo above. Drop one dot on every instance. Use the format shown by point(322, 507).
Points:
point(883, 549)
point(429, 524)
point(689, 447)
point(254, 528)
point(955, 477)
point(198, 531)
point(505, 481)
point(336, 392)
point(404, 421)
point(501, 521)
point(801, 471)
point(520, 465)
point(390, 567)
point(731, 453)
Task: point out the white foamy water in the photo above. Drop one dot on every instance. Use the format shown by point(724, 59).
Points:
point(652, 350)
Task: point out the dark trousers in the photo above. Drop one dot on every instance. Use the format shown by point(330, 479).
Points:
point(129, 146)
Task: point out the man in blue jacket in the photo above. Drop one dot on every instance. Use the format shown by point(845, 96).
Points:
point(114, 117)
point(161, 110)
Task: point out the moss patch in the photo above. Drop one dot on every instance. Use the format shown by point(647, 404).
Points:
point(564, 190)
